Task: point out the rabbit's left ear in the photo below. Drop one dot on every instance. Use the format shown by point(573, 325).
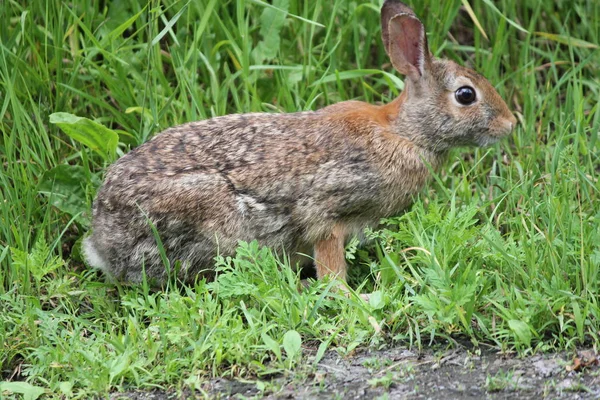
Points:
point(405, 40)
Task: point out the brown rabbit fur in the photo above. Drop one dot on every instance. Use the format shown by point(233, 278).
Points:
point(301, 182)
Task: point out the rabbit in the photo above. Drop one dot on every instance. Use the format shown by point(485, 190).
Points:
point(301, 183)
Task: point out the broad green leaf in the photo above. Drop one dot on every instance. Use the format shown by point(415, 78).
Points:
point(292, 344)
point(376, 300)
point(65, 185)
point(117, 366)
point(96, 136)
point(66, 388)
point(271, 22)
point(28, 391)
point(521, 330)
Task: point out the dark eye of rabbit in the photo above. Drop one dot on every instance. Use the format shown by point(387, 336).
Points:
point(465, 95)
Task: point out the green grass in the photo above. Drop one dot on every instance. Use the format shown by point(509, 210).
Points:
point(503, 248)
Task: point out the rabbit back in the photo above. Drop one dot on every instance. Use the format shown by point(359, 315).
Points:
point(282, 179)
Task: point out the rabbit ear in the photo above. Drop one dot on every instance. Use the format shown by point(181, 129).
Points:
point(389, 10)
point(404, 39)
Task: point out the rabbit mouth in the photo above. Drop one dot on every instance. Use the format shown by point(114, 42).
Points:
point(487, 140)
point(491, 136)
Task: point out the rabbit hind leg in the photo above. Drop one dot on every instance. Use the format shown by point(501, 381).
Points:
point(330, 255)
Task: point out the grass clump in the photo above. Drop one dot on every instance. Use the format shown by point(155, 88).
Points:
point(502, 249)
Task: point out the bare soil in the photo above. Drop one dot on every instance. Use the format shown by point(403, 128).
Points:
point(399, 373)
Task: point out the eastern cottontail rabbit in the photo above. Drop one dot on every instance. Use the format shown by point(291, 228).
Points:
point(301, 182)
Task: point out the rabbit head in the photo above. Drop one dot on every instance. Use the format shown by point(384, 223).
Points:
point(443, 104)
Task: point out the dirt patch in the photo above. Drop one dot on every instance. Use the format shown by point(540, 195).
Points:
point(406, 374)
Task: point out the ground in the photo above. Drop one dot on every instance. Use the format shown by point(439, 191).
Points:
point(457, 373)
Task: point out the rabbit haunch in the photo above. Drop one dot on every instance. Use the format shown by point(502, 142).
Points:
point(300, 183)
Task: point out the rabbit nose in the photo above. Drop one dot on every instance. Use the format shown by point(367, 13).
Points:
point(512, 122)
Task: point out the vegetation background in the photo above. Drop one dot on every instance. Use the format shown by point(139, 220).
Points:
point(502, 249)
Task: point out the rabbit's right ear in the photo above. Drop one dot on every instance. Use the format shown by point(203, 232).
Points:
point(404, 39)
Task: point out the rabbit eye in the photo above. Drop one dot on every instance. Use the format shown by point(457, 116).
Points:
point(465, 95)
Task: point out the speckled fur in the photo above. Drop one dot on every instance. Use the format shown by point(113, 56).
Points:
point(295, 182)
